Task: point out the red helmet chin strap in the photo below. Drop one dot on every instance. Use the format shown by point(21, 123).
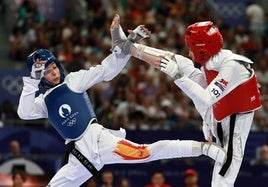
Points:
point(204, 40)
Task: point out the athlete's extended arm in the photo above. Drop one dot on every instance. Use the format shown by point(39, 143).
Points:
point(113, 64)
point(154, 57)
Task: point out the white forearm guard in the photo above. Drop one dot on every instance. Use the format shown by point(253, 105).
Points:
point(141, 51)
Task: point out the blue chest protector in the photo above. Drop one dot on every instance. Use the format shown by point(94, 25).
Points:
point(69, 112)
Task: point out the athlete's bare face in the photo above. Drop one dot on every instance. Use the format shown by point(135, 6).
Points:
point(52, 73)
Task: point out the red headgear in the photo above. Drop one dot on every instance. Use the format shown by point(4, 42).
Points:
point(204, 40)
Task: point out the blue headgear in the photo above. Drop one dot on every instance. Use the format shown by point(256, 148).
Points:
point(45, 55)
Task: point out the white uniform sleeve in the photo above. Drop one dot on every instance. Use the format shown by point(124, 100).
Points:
point(84, 79)
point(187, 67)
point(230, 76)
point(31, 107)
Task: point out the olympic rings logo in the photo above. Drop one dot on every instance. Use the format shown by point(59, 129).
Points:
point(227, 10)
point(71, 122)
point(13, 85)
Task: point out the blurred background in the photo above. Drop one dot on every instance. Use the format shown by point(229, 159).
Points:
point(140, 99)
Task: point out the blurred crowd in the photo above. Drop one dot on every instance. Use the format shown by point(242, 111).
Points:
point(140, 97)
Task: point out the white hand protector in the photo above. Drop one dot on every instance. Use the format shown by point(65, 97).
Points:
point(170, 67)
point(207, 131)
point(139, 34)
point(38, 69)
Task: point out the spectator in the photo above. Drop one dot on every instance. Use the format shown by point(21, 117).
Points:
point(240, 35)
point(28, 14)
point(190, 178)
point(8, 110)
point(261, 156)
point(18, 178)
point(15, 151)
point(112, 6)
point(107, 179)
point(262, 72)
point(172, 119)
point(124, 182)
point(17, 45)
point(158, 180)
point(149, 89)
point(137, 120)
point(255, 18)
point(78, 11)
point(92, 182)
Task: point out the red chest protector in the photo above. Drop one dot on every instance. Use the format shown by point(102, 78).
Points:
point(244, 98)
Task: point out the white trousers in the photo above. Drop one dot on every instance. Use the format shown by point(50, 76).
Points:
point(242, 128)
point(102, 146)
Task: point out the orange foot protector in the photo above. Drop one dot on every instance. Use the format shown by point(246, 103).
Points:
point(128, 151)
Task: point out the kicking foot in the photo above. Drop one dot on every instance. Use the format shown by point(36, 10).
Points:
point(115, 22)
point(214, 151)
point(120, 44)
